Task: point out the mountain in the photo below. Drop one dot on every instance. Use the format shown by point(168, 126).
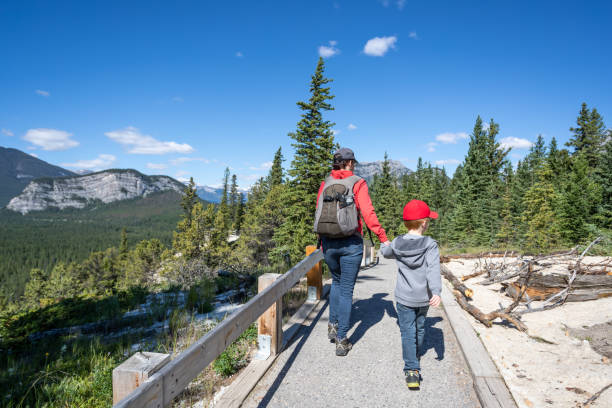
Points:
point(214, 194)
point(17, 169)
point(85, 190)
point(367, 170)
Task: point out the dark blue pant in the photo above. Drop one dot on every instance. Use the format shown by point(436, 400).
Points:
point(412, 327)
point(343, 256)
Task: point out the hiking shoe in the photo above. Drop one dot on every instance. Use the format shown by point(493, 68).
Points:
point(343, 346)
point(413, 379)
point(332, 331)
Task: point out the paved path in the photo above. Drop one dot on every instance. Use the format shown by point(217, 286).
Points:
point(308, 373)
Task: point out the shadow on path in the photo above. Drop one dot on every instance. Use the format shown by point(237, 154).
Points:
point(368, 312)
point(302, 337)
point(434, 337)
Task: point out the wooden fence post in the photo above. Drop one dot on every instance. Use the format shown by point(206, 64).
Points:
point(134, 371)
point(372, 253)
point(314, 277)
point(269, 324)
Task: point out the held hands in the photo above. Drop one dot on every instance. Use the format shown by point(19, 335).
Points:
point(386, 243)
point(434, 301)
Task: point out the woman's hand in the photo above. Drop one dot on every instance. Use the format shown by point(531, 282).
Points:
point(434, 301)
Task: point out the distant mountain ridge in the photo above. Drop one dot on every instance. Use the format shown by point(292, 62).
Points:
point(17, 169)
point(368, 170)
point(214, 194)
point(80, 191)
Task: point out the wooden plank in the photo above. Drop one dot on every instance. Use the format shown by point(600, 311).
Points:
point(134, 371)
point(177, 374)
point(234, 395)
point(314, 277)
point(148, 395)
point(270, 322)
point(493, 393)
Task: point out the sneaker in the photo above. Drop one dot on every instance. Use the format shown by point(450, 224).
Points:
point(343, 346)
point(413, 379)
point(332, 331)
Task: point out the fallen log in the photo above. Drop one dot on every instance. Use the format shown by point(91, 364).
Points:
point(487, 318)
point(464, 290)
point(584, 287)
point(592, 269)
point(472, 275)
point(493, 254)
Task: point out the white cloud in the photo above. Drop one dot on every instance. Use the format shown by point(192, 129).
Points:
point(239, 54)
point(182, 160)
point(262, 166)
point(330, 50)
point(451, 137)
point(335, 132)
point(178, 99)
point(413, 35)
point(102, 161)
point(515, 142)
point(7, 132)
point(42, 93)
point(485, 126)
point(144, 144)
point(351, 127)
point(431, 146)
point(446, 162)
point(378, 46)
point(34, 155)
point(50, 139)
point(156, 166)
point(399, 3)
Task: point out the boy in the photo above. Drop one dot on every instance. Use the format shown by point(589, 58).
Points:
point(418, 283)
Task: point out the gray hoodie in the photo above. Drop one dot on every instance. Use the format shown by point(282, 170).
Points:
point(418, 268)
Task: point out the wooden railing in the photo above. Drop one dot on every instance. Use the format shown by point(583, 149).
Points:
point(162, 386)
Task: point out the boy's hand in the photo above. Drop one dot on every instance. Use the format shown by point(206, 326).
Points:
point(434, 301)
point(386, 243)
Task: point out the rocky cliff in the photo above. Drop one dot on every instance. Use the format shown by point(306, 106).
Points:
point(80, 191)
point(367, 170)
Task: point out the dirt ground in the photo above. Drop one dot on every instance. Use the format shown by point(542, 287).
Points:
point(567, 358)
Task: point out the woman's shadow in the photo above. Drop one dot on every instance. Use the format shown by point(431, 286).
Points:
point(368, 312)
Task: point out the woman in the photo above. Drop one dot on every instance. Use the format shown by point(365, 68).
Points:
point(343, 255)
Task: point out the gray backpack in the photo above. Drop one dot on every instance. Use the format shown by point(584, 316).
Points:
point(337, 215)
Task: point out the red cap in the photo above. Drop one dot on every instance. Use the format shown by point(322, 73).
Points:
point(417, 210)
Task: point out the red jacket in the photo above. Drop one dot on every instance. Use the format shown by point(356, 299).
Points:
point(363, 202)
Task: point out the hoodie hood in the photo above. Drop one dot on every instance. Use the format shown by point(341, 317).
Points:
point(411, 249)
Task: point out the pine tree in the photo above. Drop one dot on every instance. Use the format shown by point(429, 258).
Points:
point(604, 176)
point(123, 246)
point(589, 135)
point(314, 146)
point(475, 218)
point(386, 200)
point(240, 213)
point(234, 202)
point(579, 200)
point(540, 200)
point(188, 200)
point(506, 234)
point(275, 177)
point(36, 288)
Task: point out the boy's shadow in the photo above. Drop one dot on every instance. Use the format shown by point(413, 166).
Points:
point(434, 337)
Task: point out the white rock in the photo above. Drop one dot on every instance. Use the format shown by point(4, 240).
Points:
point(80, 191)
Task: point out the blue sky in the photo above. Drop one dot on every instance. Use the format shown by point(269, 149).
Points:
point(186, 88)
